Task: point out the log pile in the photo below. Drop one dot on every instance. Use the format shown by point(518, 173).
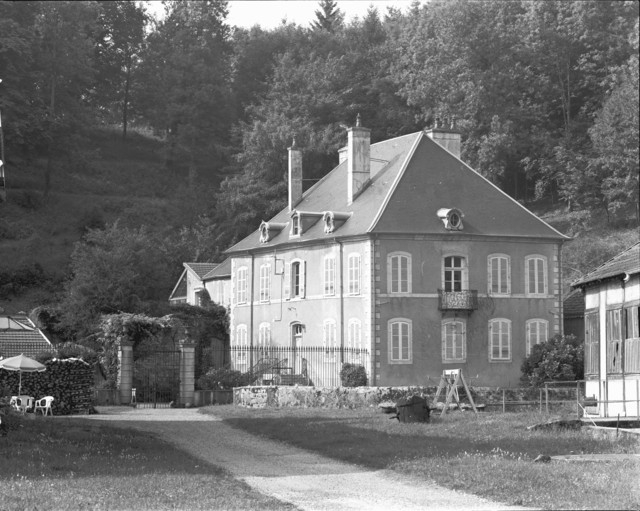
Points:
point(69, 381)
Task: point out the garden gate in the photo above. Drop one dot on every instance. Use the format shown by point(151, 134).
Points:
point(156, 378)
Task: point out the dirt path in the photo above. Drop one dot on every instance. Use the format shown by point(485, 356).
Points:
point(309, 481)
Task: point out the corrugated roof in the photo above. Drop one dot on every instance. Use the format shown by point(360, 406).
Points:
point(19, 335)
point(412, 177)
point(223, 270)
point(200, 269)
point(573, 304)
point(627, 261)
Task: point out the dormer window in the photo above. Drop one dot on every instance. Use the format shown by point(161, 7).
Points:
point(302, 221)
point(295, 224)
point(451, 218)
point(333, 220)
point(269, 230)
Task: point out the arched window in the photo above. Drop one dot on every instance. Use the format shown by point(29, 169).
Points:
point(400, 341)
point(454, 340)
point(399, 272)
point(500, 340)
point(353, 274)
point(241, 285)
point(329, 340)
point(264, 336)
point(240, 345)
point(536, 275)
point(329, 275)
point(265, 282)
point(537, 332)
point(499, 274)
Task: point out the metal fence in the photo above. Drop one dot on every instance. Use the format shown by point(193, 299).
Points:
point(286, 365)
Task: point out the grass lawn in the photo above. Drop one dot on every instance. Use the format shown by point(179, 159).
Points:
point(491, 456)
point(76, 464)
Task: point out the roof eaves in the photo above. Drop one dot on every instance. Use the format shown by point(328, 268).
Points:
point(585, 279)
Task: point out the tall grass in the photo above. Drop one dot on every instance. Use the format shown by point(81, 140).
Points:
point(491, 456)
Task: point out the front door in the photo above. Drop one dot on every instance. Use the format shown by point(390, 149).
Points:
point(296, 342)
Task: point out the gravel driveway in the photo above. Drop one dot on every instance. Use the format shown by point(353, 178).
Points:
point(307, 480)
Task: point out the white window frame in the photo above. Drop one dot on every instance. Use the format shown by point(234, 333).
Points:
point(503, 327)
point(289, 279)
point(501, 259)
point(354, 274)
point(537, 333)
point(540, 263)
point(329, 276)
point(241, 344)
point(265, 282)
point(296, 225)
point(464, 275)
point(354, 334)
point(329, 339)
point(241, 285)
point(394, 277)
point(264, 336)
point(398, 358)
point(447, 324)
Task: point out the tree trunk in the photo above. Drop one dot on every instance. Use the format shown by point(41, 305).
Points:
point(125, 103)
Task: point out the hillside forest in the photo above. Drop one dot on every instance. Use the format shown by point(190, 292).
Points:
point(133, 144)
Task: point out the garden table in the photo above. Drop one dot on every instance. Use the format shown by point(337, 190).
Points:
point(22, 403)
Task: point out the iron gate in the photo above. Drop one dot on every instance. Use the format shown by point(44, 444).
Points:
point(156, 379)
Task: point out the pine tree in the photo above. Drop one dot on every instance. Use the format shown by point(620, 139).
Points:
point(329, 17)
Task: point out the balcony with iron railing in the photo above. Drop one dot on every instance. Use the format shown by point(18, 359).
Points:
point(458, 300)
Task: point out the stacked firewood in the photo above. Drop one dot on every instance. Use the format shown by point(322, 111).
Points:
point(69, 381)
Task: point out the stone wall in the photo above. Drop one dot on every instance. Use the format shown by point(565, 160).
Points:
point(357, 397)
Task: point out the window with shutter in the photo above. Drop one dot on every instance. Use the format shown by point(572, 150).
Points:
point(500, 340)
point(591, 343)
point(632, 341)
point(536, 275)
point(329, 275)
point(537, 332)
point(399, 272)
point(353, 274)
point(499, 274)
point(454, 341)
point(614, 341)
point(400, 341)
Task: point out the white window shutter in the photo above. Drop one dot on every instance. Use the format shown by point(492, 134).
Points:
point(529, 344)
point(287, 281)
point(303, 278)
point(508, 263)
point(489, 275)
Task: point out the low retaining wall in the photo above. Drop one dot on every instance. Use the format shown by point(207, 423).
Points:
point(357, 397)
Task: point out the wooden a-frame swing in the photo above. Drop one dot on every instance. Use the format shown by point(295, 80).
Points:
point(450, 380)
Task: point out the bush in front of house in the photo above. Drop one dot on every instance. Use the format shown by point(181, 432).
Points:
point(225, 378)
point(353, 375)
point(561, 358)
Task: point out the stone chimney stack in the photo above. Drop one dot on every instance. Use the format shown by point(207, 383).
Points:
point(447, 135)
point(295, 175)
point(358, 159)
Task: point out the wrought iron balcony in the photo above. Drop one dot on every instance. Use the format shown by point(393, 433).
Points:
point(458, 300)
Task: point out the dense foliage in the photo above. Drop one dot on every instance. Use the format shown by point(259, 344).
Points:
point(353, 375)
point(561, 358)
point(224, 379)
point(544, 92)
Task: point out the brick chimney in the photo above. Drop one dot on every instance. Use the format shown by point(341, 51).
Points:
point(447, 135)
point(358, 159)
point(295, 175)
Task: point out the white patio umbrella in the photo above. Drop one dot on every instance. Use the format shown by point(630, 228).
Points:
point(21, 364)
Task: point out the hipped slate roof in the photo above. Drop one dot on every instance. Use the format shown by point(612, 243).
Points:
point(627, 262)
point(222, 270)
point(19, 335)
point(412, 177)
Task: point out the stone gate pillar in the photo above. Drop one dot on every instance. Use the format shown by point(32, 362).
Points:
point(187, 372)
point(125, 372)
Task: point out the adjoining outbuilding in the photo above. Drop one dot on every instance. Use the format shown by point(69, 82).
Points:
point(612, 335)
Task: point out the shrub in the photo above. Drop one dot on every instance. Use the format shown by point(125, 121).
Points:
point(225, 378)
point(353, 375)
point(560, 358)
